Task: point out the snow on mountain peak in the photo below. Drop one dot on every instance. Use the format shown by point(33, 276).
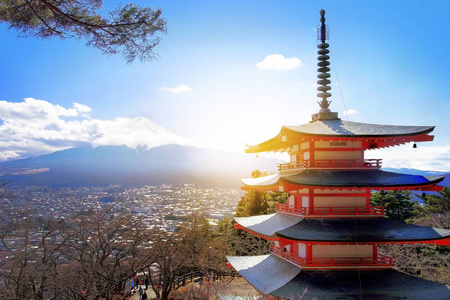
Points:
point(135, 132)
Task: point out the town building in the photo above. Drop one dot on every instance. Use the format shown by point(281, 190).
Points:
point(325, 240)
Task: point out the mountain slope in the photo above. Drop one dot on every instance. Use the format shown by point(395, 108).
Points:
point(105, 165)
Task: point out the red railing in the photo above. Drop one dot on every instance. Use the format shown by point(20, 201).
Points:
point(295, 259)
point(381, 261)
point(335, 211)
point(366, 163)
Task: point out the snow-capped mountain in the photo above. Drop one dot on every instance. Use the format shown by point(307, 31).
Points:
point(134, 133)
point(42, 136)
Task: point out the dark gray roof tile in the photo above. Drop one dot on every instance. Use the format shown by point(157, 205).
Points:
point(374, 284)
point(347, 128)
point(343, 178)
point(360, 230)
point(291, 282)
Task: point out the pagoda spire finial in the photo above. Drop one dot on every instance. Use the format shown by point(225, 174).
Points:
point(323, 76)
point(323, 27)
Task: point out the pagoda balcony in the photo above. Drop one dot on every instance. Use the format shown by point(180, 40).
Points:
point(380, 261)
point(332, 164)
point(329, 211)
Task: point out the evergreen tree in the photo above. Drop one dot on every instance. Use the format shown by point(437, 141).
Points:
point(224, 226)
point(255, 203)
point(435, 211)
point(397, 204)
point(275, 197)
point(425, 261)
point(252, 203)
point(437, 203)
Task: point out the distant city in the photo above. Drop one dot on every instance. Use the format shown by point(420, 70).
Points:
point(159, 208)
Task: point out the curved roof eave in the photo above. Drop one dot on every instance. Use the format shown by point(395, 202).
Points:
point(338, 230)
point(360, 130)
point(266, 144)
point(361, 230)
point(268, 225)
point(259, 271)
point(374, 179)
point(269, 180)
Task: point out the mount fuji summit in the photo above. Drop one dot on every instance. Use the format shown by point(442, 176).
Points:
point(135, 133)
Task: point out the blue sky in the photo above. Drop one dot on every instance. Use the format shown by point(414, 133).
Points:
point(391, 59)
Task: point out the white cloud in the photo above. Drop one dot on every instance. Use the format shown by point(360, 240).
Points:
point(32, 110)
point(351, 111)
point(427, 158)
point(178, 89)
point(5, 155)
point(82, 108)
point(278, 62)
point(35, 127)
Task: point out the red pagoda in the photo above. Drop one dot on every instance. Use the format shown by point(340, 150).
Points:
point(325, 239)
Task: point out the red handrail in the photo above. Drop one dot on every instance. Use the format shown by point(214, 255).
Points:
point(298, 260)
point(365, 210)
point(363, 163)
point(378, 261)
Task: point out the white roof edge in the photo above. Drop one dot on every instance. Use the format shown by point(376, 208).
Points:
point(268, 225)
point(259, 271)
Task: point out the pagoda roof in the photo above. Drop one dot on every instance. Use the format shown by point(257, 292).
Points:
point(338, 129)
point(268, 225)
point(361, 230)
point(291, 282)
point(373, 284)
point(260, 270)
point(375, 179)
point(341, 230)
